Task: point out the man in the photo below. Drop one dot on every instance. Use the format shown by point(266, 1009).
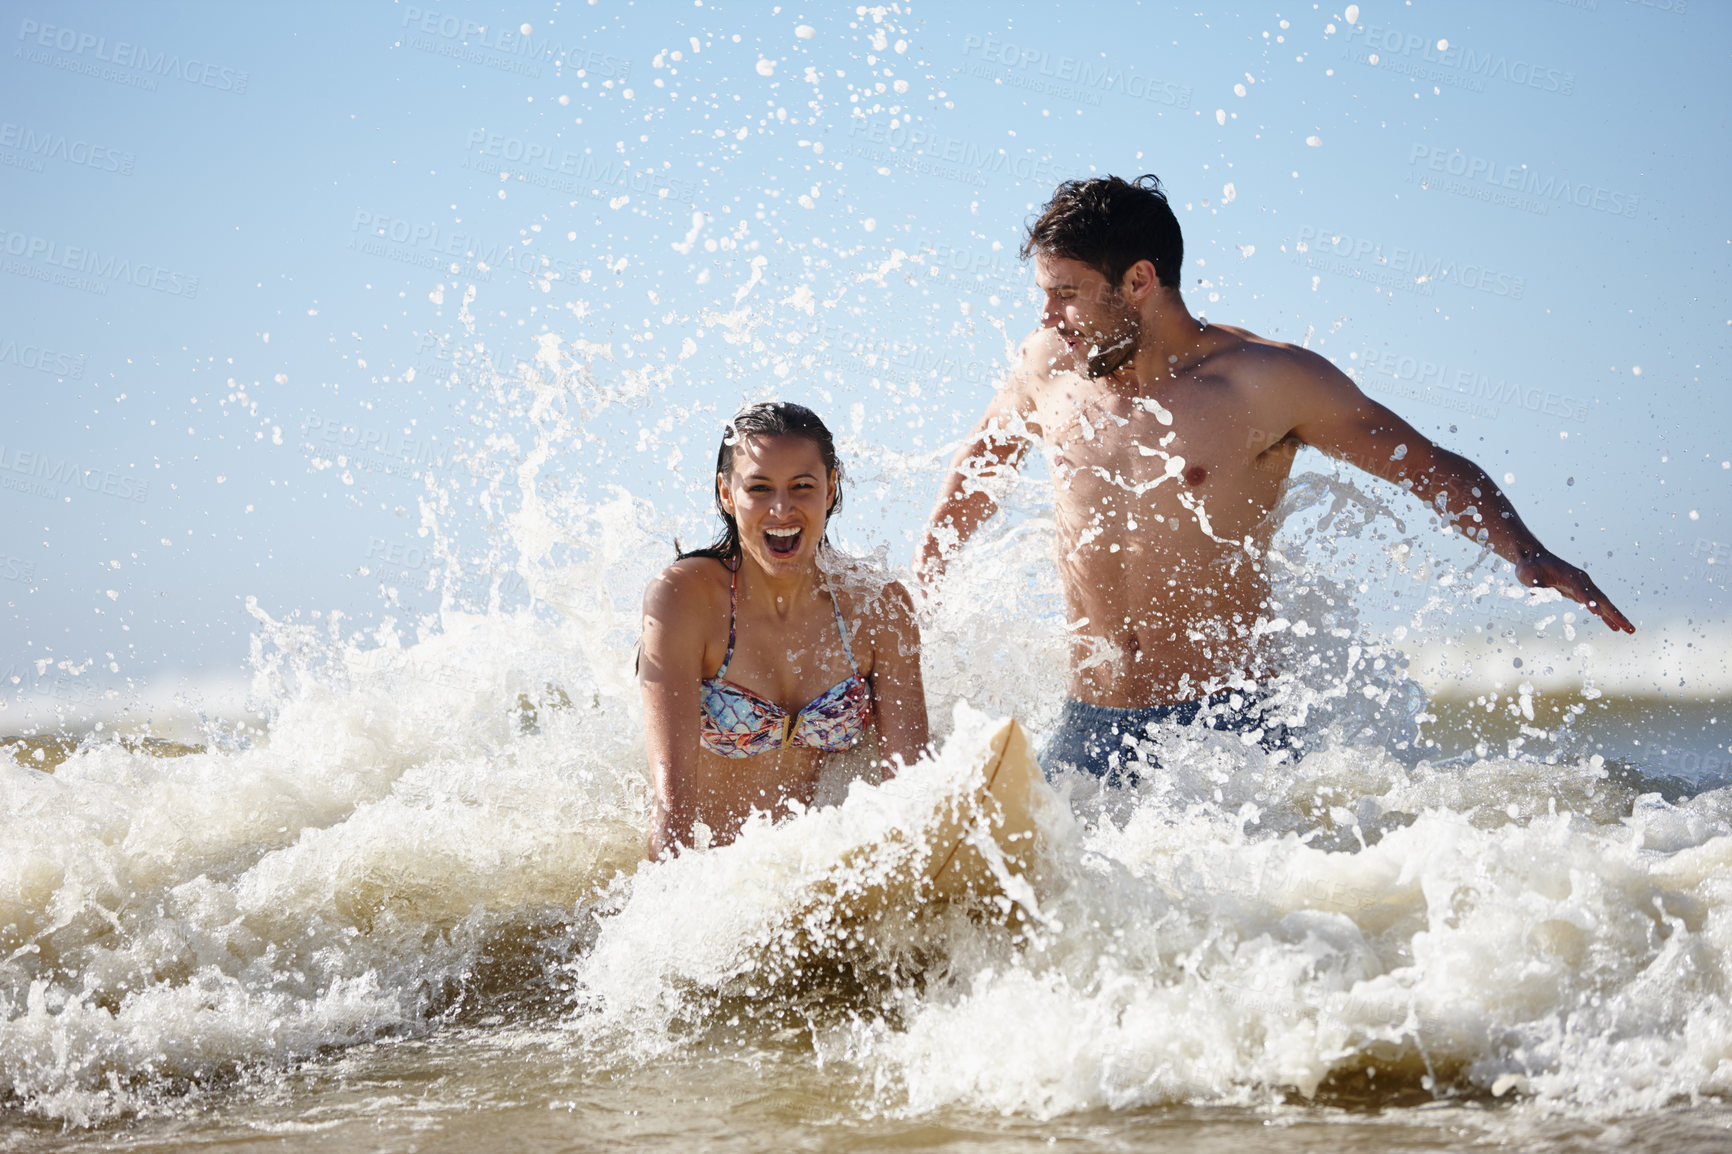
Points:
point(1169, 440)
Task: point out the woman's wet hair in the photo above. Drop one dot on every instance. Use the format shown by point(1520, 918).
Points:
point(1110, 224)
point(768, 419)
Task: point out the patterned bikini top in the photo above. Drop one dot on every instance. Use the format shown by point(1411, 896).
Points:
point(740, 723)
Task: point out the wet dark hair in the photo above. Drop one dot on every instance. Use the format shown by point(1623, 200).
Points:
point(1110, 224)
point(767, 419)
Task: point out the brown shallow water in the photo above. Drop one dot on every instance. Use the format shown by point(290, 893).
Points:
point(510, 1070)
point(1683, 738)
point(504, 1089)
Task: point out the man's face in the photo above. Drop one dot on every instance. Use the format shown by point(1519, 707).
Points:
point(1087, 311)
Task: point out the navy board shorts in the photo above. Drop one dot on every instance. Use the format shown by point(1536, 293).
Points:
point(1102, 741)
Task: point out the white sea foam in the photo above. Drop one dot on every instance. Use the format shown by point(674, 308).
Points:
point(449, 820)
point(173, 918)
point(1232, 932)
point(1483, 931)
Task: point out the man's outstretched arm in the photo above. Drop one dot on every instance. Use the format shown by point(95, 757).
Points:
point(1348, 425)
point(998, 445)
point(964, 503)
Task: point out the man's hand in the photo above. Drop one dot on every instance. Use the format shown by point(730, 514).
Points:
point(996, 447)
point(1543, 570)
point(929, 562)
point(964, 502)
point(938, 546)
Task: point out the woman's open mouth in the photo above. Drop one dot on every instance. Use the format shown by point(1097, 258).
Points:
point(783, 542)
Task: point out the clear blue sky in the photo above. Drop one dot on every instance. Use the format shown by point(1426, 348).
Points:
point(229, 230)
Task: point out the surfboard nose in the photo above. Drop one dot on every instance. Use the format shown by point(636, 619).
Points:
point(994, 818)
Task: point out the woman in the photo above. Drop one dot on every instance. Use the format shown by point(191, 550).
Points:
point(757, 662)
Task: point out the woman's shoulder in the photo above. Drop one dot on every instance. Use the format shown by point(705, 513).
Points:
point(867, 586)
point(688, 582)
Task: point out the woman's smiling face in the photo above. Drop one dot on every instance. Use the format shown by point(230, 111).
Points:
point(779, 494)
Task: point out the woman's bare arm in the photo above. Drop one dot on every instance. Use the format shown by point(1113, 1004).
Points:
point(669, 670)
point(898, 694)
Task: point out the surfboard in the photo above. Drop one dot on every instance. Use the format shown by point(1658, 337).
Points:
point(951, 829)
point(962, 826)
point(991, 816)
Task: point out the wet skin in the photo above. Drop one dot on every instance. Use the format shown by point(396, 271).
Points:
point(1170, 441)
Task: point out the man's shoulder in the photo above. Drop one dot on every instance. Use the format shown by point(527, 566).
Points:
point(1020, 391)
point(1244, 346)
point(1246, 359)
point(1039, 359)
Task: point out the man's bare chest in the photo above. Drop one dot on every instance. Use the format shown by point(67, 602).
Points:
point(1136, 464)
point(1139, 446)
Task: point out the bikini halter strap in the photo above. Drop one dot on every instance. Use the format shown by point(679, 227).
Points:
point(835, 604)
point(842, 628)
point(728, 657)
